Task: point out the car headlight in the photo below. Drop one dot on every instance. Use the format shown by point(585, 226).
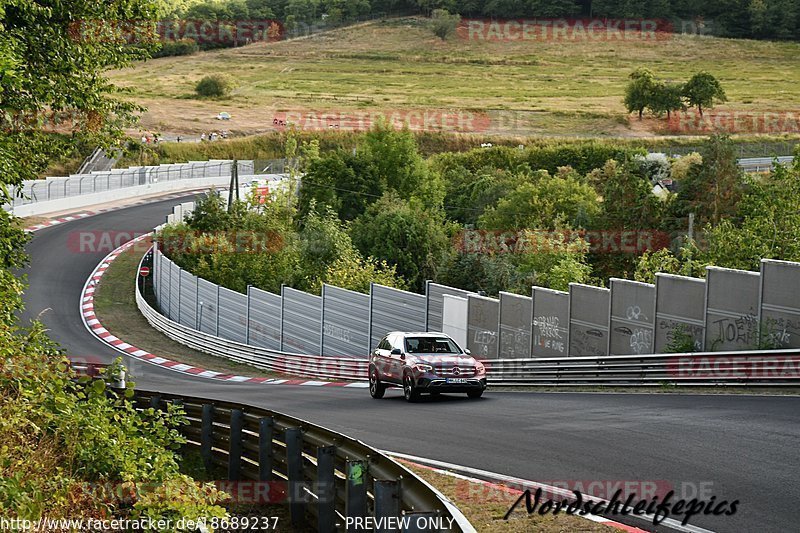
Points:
point(423, 368)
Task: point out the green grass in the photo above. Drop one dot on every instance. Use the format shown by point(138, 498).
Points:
point(115, 306)
point(527, 88)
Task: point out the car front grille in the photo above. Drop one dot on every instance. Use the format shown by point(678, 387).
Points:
point(446, 371)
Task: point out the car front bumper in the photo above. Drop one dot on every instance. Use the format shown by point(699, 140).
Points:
point(439, 384)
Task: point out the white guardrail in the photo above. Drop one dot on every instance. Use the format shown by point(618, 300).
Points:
point(282, 362)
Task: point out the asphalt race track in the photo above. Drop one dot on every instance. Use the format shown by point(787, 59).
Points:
point(735, 447)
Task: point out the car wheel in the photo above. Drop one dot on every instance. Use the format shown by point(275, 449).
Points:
point(409, 389)
point(475, 394)
point(376, 388)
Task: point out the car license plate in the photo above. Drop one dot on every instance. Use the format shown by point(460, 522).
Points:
point(456, 380)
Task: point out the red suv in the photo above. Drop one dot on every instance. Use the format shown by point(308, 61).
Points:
point(424, 363)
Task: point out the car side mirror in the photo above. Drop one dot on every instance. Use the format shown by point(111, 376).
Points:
point(466, 351)
point(397, 351)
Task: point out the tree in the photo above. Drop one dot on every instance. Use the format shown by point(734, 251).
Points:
point(344, 181)
point(353, 272)
point(703, 90)
point(323, 240)
point(444, 24)
point(544, 203)
point(469, 194)
point(666, 98)
point(392, 156)
point(52, 60)
point(554, 261)
point(689, 261)
point(404, 234)
point(628, 199)
point(713, 189)
point(766, 226)
point(639, 92)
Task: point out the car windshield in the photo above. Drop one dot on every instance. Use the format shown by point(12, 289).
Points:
point(431, 345)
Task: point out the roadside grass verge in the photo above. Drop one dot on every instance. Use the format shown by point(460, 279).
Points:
point(115, 307)
point(486, 506)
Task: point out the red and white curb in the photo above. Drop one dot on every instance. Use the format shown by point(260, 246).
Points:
point(78, 215)
point(509, 484)
point(96, 328)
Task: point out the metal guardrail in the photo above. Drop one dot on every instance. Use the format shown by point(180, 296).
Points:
point(763, 164)
point(751, 368)
point(748, 368)
point(56, 188)
point(285, 363)
point(323, 475)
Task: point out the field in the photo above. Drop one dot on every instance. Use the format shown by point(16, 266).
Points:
point(560, 88)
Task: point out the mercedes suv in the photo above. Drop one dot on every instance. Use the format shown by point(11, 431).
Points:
point(424, 363)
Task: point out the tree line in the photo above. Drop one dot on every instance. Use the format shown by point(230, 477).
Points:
point(498, 219)
point(758, 19)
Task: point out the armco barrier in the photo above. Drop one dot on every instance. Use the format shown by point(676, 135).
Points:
point(322, 475)
point(276, 361)
point(754, 368)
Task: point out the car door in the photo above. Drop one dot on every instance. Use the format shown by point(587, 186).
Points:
point(382, 359)
point(397, 361)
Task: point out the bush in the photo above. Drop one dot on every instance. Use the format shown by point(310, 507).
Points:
point(181, 47)
point(214, 86)
point(70, 447)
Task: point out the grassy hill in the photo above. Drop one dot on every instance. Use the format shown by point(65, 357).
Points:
point(525, 88)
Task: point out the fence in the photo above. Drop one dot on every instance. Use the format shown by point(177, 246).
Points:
point(730, 310)
point(744, 150)
point(324, 477)
point(34, 191)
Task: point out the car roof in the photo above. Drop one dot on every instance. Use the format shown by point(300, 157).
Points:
point(419, 333)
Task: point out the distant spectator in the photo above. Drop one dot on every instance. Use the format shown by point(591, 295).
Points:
point(179, 139)
point(202, 136)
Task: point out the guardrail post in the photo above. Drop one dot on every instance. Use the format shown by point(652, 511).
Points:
point(294, 469)
point(265, 428)
point(356, 495)
point(417, 521)
point(216, 313)
point(326, 489)
point(387, 502)
point(155, 402)
point(247, 318)
point(207, 435)
point(235, 450)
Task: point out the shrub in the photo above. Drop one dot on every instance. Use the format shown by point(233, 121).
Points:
point(215, 86)
point(181, 47)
